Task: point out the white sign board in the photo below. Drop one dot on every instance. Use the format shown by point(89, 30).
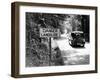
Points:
point(49, 32)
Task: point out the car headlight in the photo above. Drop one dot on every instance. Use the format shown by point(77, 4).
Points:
point(83, 40)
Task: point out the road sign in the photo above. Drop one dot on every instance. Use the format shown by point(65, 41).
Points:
point(49, 32)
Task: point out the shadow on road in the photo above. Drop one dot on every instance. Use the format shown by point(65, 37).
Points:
point(72, 57)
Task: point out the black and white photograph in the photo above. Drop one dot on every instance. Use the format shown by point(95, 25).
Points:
point(52, 39)
point(49, 47)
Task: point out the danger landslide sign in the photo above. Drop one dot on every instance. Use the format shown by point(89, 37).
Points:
point(49, 32)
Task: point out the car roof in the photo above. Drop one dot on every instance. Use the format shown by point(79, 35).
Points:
point(77, 32)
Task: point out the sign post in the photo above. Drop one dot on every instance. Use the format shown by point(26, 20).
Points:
point(49, 33)
point(50, 50)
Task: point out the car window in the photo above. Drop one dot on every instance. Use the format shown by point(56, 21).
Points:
point(73, 35)
point(77, 35)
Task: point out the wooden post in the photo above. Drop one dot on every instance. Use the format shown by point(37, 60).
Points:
point(49, 51)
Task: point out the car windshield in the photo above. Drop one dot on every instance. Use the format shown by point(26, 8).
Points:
point(77, 35)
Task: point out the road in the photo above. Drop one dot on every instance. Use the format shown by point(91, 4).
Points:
point(73, 56)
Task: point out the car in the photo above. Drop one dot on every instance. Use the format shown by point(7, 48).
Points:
point(76, 38)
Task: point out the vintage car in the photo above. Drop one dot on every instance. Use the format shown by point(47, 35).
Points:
point(76, 38)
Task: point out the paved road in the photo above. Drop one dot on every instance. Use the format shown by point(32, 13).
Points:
point(73, 56)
